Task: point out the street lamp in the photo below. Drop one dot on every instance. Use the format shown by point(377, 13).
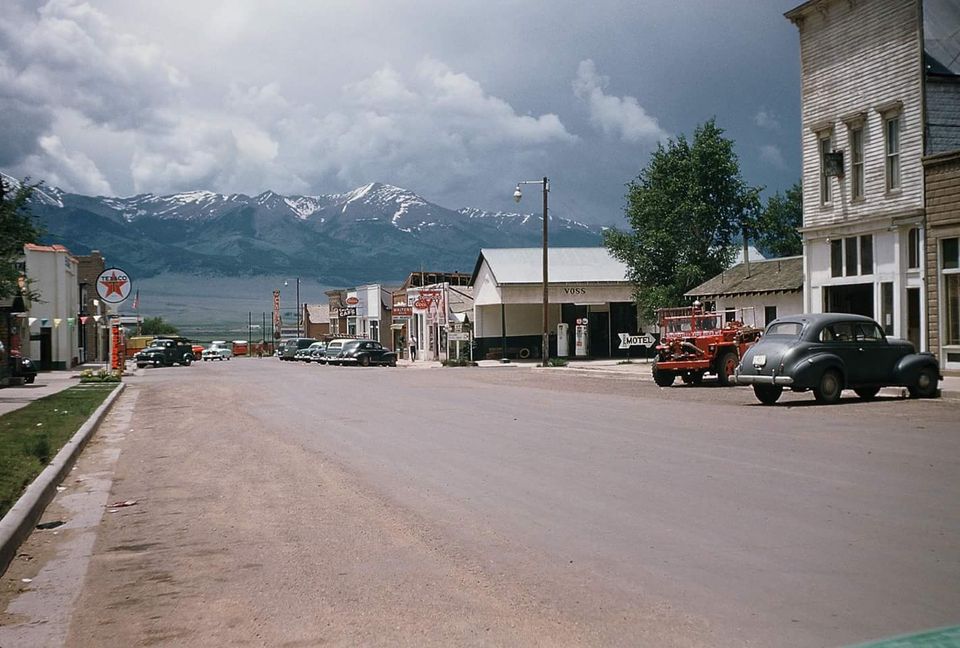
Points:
point(299, 309)
point(517, 195)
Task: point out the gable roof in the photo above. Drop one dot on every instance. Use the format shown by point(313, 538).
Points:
point(770, 276)
point(566, 265)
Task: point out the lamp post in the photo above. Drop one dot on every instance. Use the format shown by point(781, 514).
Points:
point(517, 195)
point(299, 310)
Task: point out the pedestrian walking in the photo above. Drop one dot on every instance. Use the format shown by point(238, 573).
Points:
point(413, 348)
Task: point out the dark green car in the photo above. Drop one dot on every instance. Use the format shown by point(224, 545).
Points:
point(828, 352)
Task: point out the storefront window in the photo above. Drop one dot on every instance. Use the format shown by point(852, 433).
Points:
point(950, 260)
point(951, 309)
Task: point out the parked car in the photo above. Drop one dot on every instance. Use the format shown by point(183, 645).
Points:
point(332, 350)
point(830, 352)
point(217, 351)
point(292, 345)
point(166, 351)
point(313, 352)
point(366, 353)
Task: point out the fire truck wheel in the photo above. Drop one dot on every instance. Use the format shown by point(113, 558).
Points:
point(725, 367)
point(663, 378)
point(767, 394)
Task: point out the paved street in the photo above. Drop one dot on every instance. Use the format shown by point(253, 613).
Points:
point(290, 504)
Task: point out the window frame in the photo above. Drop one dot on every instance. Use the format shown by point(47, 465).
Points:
point(913, 248)
point(855, 135)
point(824, 144)
point(891, 152)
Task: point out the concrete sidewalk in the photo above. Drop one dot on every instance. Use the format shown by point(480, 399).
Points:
point(47, 383)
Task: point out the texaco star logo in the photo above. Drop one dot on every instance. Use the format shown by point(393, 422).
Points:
point(113, 285)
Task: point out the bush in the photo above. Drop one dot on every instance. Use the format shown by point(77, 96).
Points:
point(100, 376)
point(557, 362)
point(459, 362)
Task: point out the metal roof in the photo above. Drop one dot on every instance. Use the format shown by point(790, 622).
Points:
point(566, 265)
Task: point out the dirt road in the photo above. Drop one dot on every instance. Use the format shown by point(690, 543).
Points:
point(292, 505)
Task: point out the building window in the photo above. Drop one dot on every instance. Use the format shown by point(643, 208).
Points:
point(856, 163)
point(866, 255)
point(824, 178)
point(851, 256)
point(886, 307)
point(950, 264)
point(892, 136)
point(769, 314)
point(913, 248)
point(836, 258)
point(951, 253)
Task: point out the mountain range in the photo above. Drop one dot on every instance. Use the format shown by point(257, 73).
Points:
point(377, 232)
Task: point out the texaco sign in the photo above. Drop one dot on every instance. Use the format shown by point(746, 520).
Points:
point(113, 285)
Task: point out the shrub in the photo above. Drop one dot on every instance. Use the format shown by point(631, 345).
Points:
point(557, 362)
point(100, 376)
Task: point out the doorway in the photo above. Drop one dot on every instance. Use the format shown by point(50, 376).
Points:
point(856, 299)
point(913, 317)
point(599, 334)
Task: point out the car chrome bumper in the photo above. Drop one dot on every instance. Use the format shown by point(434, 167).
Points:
point(759, 379)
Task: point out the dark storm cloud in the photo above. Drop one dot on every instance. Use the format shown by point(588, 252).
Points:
point(455, 101)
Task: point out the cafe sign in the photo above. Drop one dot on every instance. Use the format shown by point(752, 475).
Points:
point(348, 311)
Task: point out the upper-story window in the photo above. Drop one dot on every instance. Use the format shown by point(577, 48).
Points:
point(824, 144)
point(891, 128)
point(856, 162)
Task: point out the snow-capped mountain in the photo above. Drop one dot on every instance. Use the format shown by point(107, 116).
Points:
point(375, 232)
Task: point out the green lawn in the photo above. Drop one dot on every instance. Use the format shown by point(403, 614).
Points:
point(31, 436)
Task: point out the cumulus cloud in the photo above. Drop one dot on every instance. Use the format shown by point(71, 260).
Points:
point(771, 154)
point(62, 61)
point(766, 119)
point(620, 116)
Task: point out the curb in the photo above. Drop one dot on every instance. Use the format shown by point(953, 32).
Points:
point(20, 520)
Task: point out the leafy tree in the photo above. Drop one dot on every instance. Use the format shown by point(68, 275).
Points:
point(686, 210)
point(775, 231)
point(17, 226)
point(156, 326)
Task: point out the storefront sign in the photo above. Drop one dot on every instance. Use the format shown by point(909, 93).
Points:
point(402, 310)
point(352, 301)
point(459, 337)
point(113, 285)
point(347, 311)
point(644, 339)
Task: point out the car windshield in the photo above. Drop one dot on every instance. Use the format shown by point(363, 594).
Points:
point(791, 329)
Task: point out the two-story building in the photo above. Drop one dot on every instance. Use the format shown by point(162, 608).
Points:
point(865, 129)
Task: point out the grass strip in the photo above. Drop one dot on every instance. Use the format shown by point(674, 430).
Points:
point(31, 436)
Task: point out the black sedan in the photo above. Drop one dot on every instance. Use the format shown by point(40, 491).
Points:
point(830, 352)
point(363, 353)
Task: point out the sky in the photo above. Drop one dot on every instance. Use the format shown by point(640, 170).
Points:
point(456, 101)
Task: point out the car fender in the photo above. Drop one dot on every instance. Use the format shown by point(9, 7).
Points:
point(807, 371)
point(909, 366)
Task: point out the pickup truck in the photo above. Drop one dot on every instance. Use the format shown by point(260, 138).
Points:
point(166, 352)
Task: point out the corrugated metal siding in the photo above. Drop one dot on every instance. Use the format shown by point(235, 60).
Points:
point(855, 57)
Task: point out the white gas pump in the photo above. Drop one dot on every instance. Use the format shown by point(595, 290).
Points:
point(563, 340)
point(582, 341)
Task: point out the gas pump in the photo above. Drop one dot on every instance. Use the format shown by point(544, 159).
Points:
point(582, 341)
point(563, 340)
